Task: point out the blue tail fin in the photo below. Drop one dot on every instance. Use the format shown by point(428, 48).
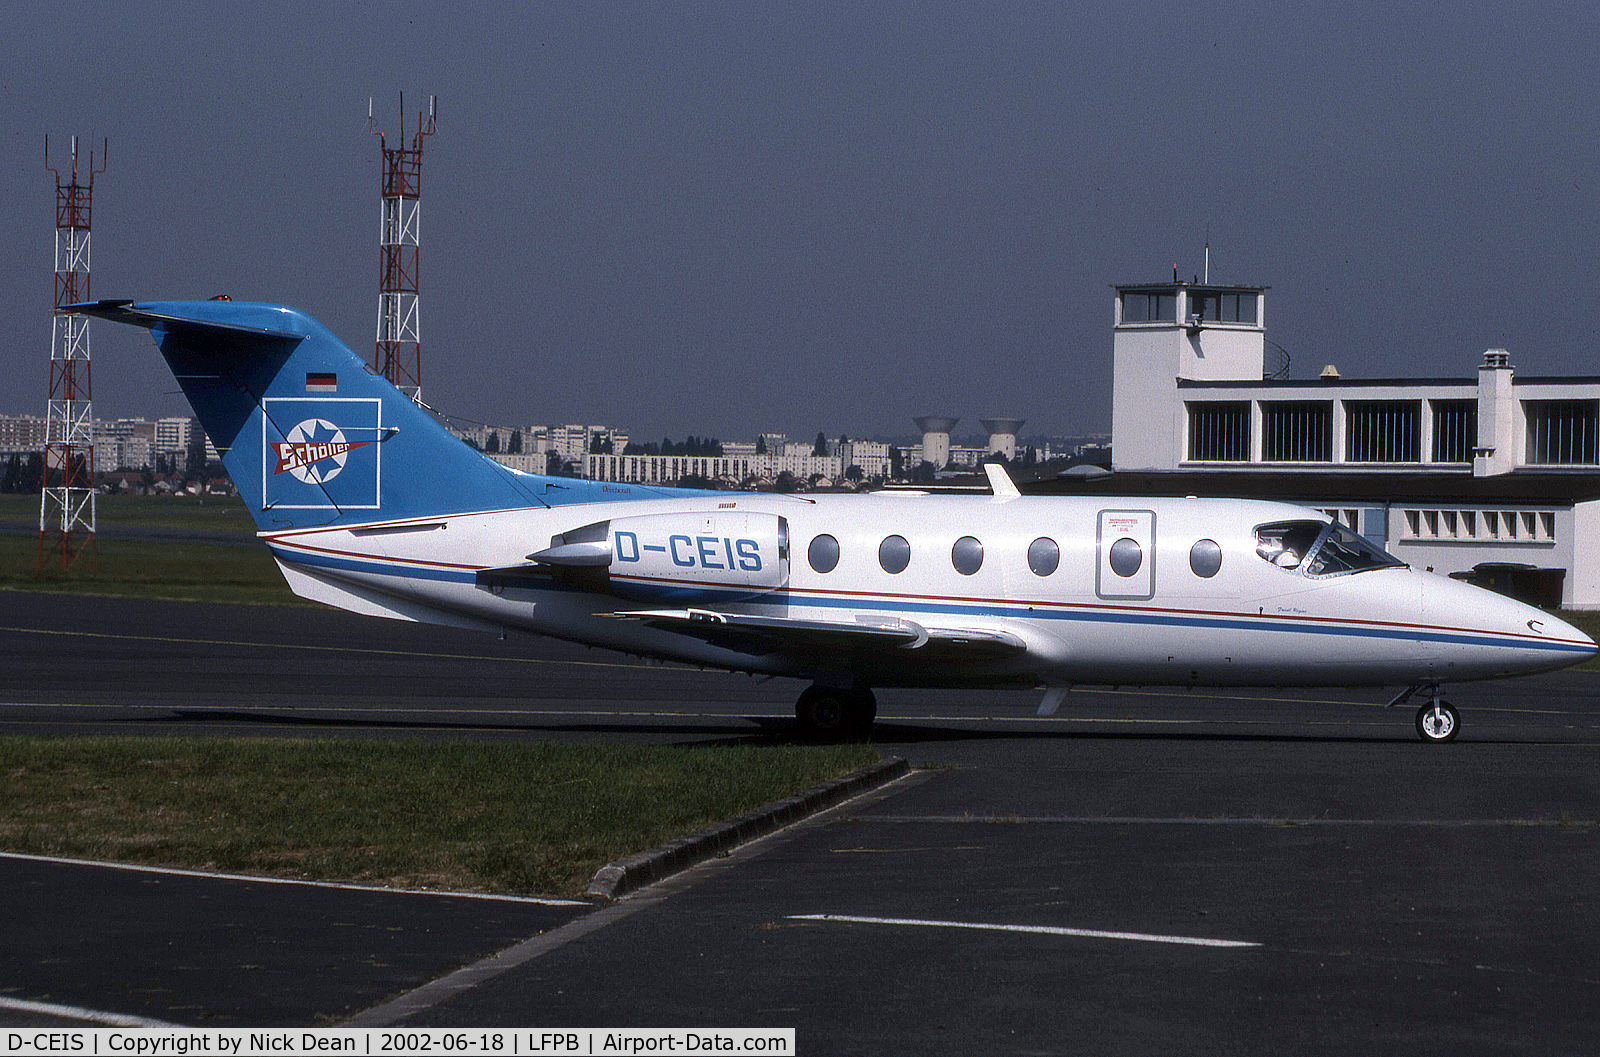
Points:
point(308, 433)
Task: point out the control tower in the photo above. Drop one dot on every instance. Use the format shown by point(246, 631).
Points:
point(1167, 333)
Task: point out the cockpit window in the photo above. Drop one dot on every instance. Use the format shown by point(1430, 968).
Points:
point(1343, 551)
point(1320, 548)
point(1286, 543)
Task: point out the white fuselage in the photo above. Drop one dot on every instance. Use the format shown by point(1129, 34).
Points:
point(1147, 614)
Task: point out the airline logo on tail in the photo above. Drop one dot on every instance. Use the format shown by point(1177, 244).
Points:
point(328, 459)
point(315, 451)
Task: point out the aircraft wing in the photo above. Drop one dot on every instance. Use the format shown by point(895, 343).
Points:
point(763, 635)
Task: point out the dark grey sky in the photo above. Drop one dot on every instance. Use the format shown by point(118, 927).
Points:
point(729, 217)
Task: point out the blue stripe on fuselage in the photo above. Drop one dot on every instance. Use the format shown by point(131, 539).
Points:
point(1019, 610)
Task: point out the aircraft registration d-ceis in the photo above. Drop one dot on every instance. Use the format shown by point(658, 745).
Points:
point(368, 503)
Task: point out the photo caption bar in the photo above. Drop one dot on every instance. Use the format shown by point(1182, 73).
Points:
point(244, 1042)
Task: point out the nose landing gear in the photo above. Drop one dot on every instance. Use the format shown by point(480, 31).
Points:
point(1437, 721)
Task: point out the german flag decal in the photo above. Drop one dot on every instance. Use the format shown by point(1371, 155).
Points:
point(322, 383)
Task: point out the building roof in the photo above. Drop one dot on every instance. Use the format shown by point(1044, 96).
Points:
point(1434, 486)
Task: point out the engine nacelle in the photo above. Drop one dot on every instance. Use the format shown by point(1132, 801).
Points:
point(709, 555)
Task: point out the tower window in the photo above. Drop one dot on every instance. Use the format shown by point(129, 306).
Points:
point(1152, 307)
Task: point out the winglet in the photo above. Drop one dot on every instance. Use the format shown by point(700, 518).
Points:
point(1000, 482)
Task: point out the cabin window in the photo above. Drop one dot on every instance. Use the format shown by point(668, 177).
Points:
point(823, 553)
point(1126, 556)
point(894, 554)
point(967, 555)
point(1205, 558)
point(1043, 556)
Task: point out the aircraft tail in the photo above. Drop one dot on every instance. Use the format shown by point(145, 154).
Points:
point(308, 433)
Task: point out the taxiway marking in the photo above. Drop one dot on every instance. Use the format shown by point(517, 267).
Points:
point(176, 640)
point(95, 1016)
point(215, 876)
point(1046, 930)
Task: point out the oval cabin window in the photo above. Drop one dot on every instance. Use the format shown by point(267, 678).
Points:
point(1043, 556)
point(1126, 556)
point(1205, 558)
point(894, 554)
point(823, 553)
point(967, 555)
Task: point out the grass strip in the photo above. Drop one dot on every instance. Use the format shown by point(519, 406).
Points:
point(211, 513)
point(526, 818)
point(196, 572)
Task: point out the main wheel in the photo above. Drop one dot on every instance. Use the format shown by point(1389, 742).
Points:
point(826, 714)
point(1438, 722)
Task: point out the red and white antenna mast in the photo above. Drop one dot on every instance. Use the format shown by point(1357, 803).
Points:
point(66, 503)
point(398, 356)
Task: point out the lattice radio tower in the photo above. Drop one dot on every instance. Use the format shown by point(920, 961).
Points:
point(398, 356)
point(66, 503)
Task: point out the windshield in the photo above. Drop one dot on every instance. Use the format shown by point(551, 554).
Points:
point(1332, 549)
point(1343, 551)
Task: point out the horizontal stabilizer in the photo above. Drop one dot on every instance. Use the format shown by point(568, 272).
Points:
point(132, 313)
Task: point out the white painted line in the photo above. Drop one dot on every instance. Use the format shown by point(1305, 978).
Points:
point(95, 1016)
point(1046, 930)
point(1282, 823)
point(175, 872)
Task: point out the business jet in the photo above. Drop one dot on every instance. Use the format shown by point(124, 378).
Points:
point(369, 504)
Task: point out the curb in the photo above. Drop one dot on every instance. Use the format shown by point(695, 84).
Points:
point(616, 879)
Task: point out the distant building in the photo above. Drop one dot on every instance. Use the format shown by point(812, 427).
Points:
point(21, 434)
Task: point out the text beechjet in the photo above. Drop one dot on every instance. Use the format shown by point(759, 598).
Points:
point(369, 504)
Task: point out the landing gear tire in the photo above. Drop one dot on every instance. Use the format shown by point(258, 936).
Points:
point(827, 714)
point(1438, 722)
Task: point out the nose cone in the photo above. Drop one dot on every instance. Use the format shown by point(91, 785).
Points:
point(1473, 633)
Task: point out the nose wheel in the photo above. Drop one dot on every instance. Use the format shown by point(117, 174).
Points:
point(1438, 721)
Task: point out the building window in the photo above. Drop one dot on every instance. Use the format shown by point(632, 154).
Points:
point(1217, 307)
point(1485, 526)
point(1382, 430)
point(1219, 431)
point(1455, 430)
point(1562, 432)
point(1150, 307)
point(1297, 431)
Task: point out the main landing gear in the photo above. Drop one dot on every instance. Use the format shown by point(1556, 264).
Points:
point(1437, 721)
point(825, 713)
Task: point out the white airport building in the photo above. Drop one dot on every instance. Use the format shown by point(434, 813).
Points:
point(1490, 475)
